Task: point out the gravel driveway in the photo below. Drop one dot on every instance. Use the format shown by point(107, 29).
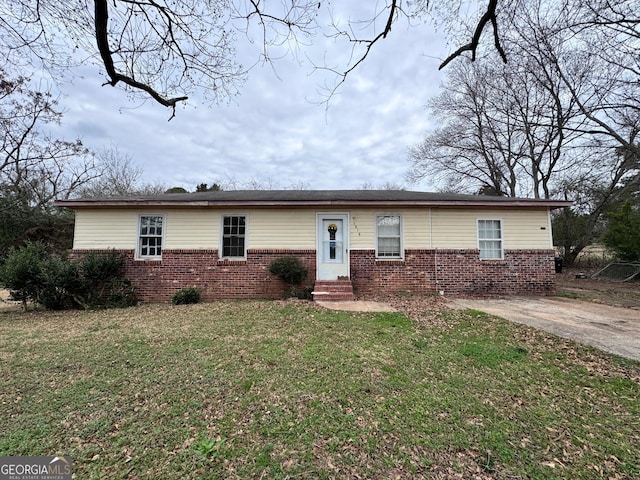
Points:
point(613, 329)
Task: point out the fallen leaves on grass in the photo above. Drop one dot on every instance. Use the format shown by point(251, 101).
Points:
point(298, 391)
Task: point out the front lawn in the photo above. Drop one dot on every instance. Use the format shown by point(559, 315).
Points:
point(290, 390)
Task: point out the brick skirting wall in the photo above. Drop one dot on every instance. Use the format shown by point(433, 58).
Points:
point(159, 280)
point(415, 273)
point(522, 272)
point(453, 272)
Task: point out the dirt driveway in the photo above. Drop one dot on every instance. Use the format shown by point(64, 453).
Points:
point(613, 329)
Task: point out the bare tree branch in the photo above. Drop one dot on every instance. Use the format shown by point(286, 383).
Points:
point(394, 9)
point(102, 40)
point(472, 46)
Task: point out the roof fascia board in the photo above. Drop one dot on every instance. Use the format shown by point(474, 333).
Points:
point(521, 203)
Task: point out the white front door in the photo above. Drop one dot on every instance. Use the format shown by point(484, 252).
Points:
point(333, 246)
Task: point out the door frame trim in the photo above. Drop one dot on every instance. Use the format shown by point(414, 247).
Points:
point(320, 216)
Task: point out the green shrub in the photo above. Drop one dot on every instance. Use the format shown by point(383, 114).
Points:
point(302, 293)
point(22, 272)
point(59, 282)
point(186, 296)
point(102, 284)
point(121, 294)
point(100, 273)
point(55, 282)
point(622, 233)
point(289, 269)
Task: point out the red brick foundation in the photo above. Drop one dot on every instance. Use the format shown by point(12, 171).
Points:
point(415, 273)
point(454, 272)
point(159, 280)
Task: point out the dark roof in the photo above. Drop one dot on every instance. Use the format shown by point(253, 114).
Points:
point(301, 198)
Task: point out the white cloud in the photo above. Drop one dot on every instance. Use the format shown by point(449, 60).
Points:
point(273, 129)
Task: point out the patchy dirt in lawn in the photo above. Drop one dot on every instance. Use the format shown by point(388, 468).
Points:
point(606, 292)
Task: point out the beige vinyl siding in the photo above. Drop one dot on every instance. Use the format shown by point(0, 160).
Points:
point(415, 227)
point(191, 229)
point(521, 229)
point(521, 232)
point(281, 228)
point(198, 228)
point(362, 229)
point(195, 228)
point(296, 228)
point(105, 229)
point(118, 228)
point(454, 228)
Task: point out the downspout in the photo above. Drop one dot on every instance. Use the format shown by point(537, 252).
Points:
point(430, 229)
point(435, 253)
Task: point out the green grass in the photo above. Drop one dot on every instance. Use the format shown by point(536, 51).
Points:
point(288, 390)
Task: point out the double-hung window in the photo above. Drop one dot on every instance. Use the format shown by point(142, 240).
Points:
point(150, 235)
point(234, 230)
point(388, 236)
point(490, 239)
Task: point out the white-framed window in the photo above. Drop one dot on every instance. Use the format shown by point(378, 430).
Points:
point(490, 239)
point(150, 236)
point(234, 234)
point(389, 236)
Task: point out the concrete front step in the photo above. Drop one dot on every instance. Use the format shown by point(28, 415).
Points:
point(329, 297)
point(333, 291)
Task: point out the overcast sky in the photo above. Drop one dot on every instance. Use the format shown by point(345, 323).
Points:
point(275, 131)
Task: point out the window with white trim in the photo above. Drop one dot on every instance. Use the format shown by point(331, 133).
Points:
point(388, 236)
point(490, 239)
point(234, 229)
point(150, 235)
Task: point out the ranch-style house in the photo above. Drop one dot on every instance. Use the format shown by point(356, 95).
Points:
point(358, 242)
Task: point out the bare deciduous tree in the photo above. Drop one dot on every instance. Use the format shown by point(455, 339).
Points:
point(35, 167)
point(604, 39)
point(169, 50)
point(118, 175)
point(502, 130)
point(562, 119)
point(32, 162)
